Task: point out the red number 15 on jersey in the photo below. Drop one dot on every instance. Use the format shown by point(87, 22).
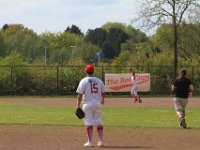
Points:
point(94, 88)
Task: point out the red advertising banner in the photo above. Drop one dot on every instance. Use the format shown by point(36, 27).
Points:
point(123, 82)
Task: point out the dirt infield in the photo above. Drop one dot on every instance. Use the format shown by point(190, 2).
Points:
point(34, 137)
point(110, 102)
point(72, 138)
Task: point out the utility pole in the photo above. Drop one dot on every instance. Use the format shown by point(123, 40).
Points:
point(45, 55)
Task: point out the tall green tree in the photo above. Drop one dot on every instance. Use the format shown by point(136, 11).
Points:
point(116, 37)
point(107, 26)
point(188, 45)
point(61, 46)
point(74, 29)
point(96, 36)
point(2, 52)
point(108, 49)
point(5, 26)
point(136, 35)
point(169, 11)
point(21, 39)
point(189, 40)
point(109, 41)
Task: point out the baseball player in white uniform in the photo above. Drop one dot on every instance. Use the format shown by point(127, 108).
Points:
point(134, 90)
point(91, 92)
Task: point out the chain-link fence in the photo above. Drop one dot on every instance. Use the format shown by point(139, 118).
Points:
point(63, 80)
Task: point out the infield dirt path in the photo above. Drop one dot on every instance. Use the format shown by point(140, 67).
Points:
point(20, 137)
point(110, 102)
point(34, 137)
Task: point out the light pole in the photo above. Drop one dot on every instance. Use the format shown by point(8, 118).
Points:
point(45, 55)
point(73, 46)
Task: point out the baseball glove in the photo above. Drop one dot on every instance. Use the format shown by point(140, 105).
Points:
point(79, 113)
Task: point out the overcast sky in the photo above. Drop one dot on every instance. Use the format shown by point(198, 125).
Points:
point(56, 15)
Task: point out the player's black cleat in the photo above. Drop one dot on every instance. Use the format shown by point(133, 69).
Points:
point(182, 123)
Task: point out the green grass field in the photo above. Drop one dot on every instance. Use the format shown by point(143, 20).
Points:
point(112, 116)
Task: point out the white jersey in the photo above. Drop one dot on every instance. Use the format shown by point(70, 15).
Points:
point(135, 83)
point(92, 88)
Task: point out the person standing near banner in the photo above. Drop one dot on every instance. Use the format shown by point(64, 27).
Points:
point(134, 90)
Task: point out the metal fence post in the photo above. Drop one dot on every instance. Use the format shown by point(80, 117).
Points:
point(57, 86)
point(102, 73)
point(11, 80)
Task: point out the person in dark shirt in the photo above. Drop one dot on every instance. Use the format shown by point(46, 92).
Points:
point(183, 88)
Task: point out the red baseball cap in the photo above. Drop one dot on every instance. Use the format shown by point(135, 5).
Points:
point(89, 68)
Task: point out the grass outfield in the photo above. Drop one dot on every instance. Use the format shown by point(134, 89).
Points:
point(112, 116)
